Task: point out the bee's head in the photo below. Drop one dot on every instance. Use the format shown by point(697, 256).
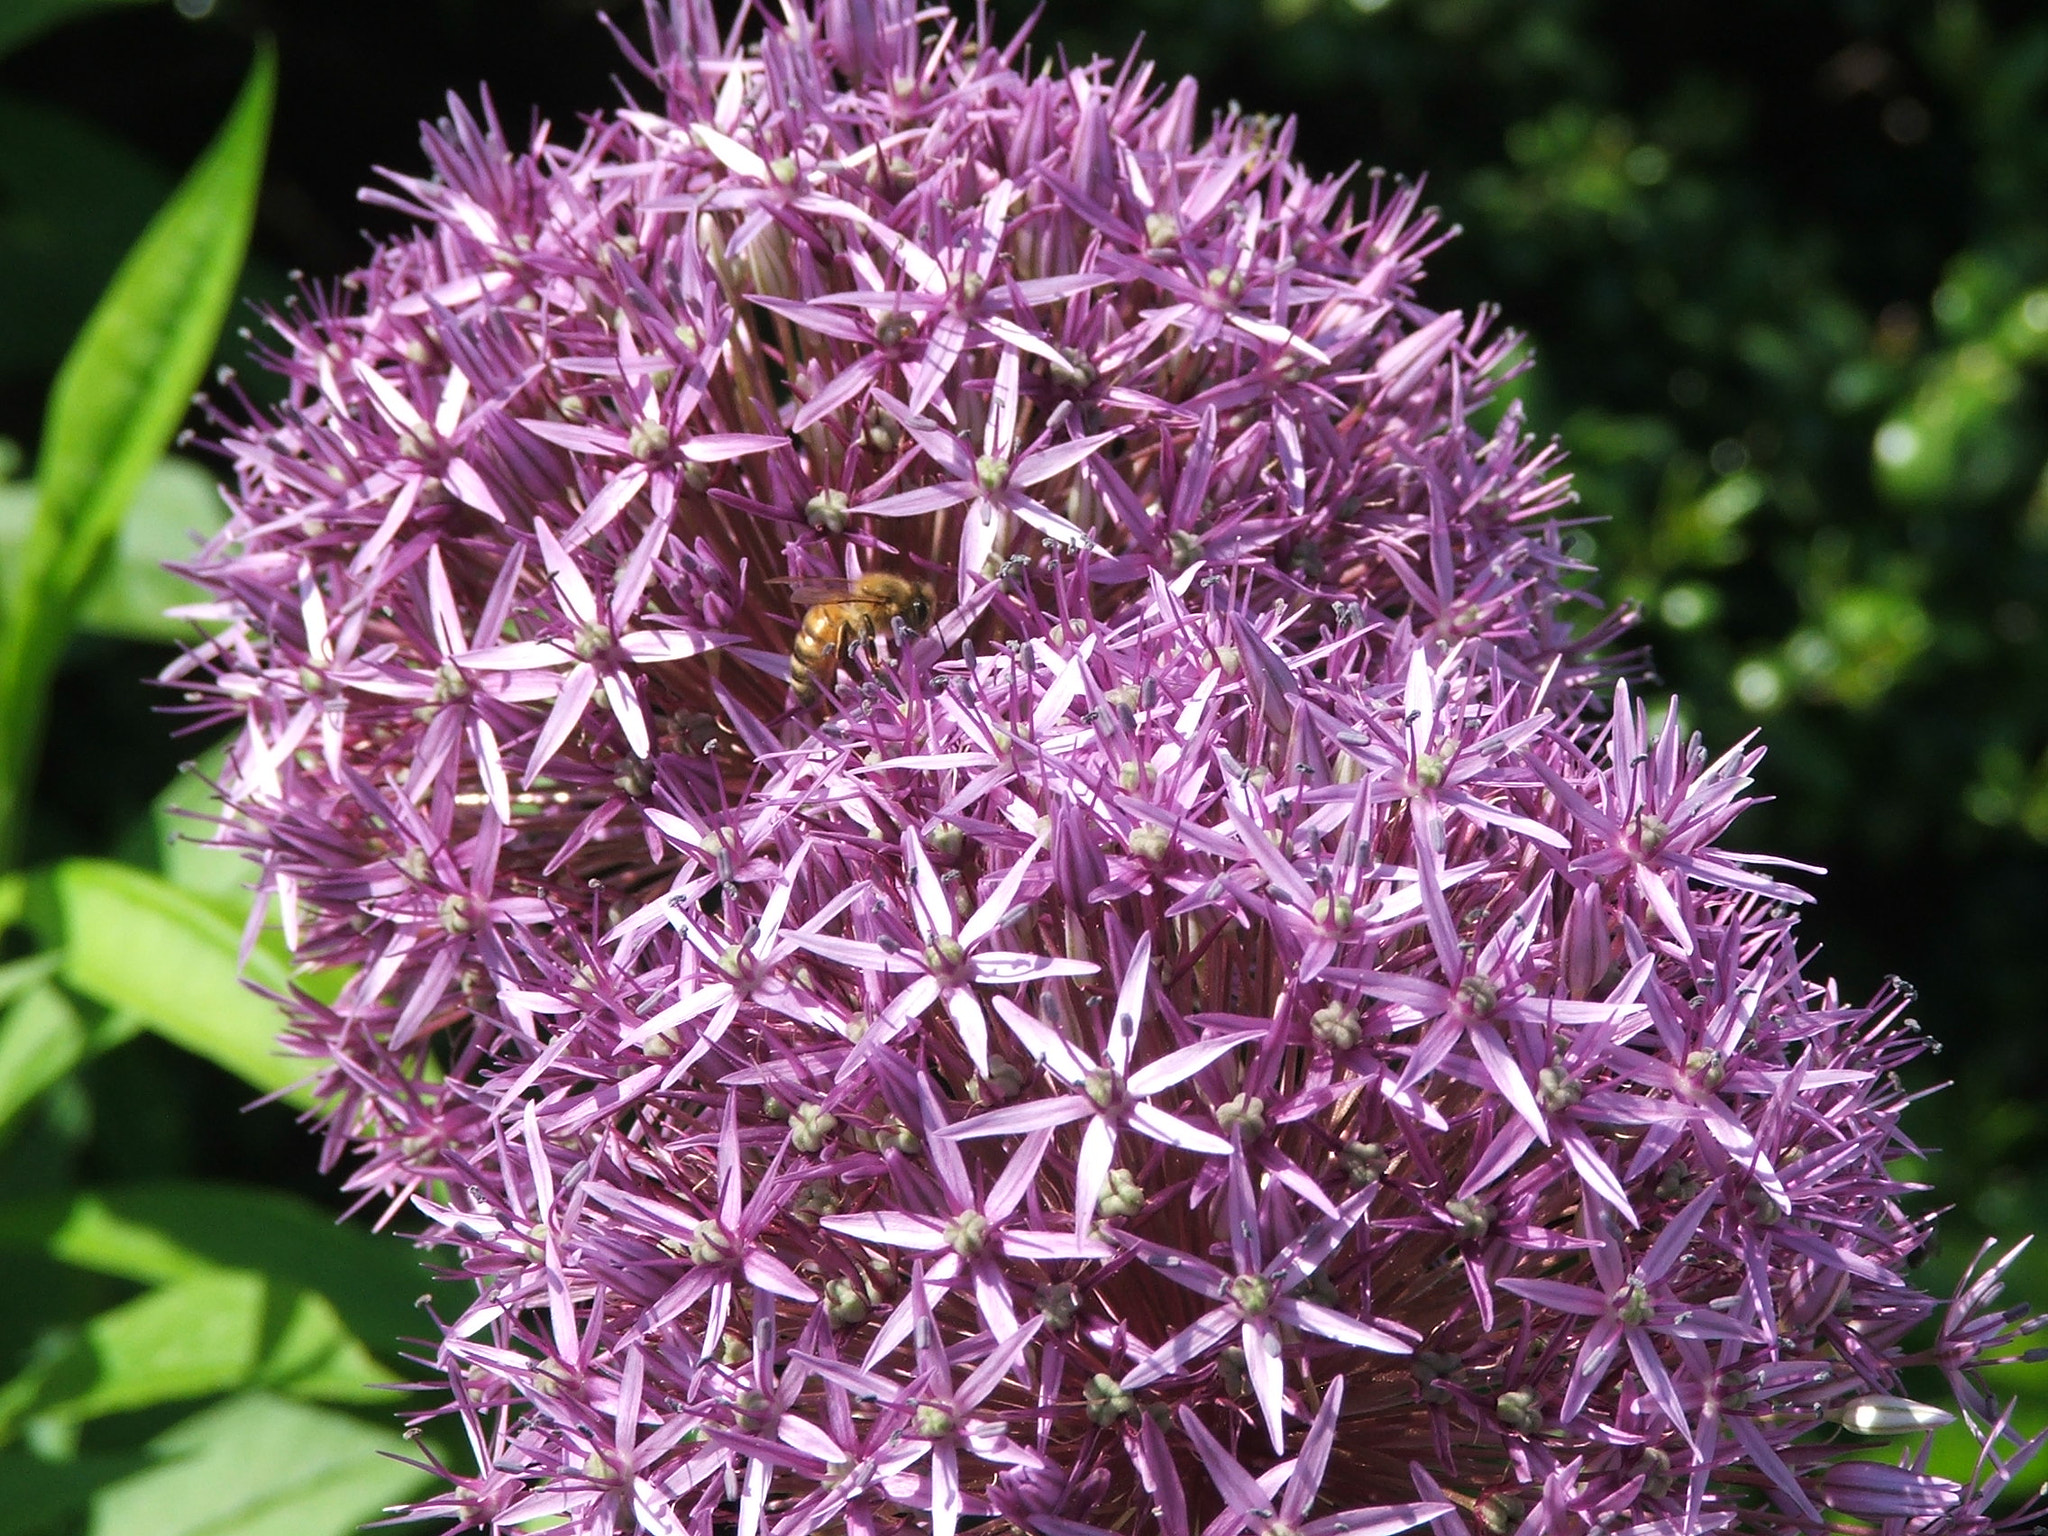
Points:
point(917, 613)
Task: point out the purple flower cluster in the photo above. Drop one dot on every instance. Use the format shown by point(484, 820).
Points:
point(1224, 1031)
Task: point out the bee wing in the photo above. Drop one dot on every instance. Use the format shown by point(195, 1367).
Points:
point(805, 591)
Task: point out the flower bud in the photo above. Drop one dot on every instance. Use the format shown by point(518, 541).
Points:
point(1121, 1196)
point(845, 1304)
point(1335, 1024)
point(1107, 1401)
point(1520, 1411)
point(1879, 1413)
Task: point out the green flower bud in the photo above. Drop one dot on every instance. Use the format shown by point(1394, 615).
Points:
point(1521, 1411)
point(1107, 1401)
point(1335, 1024)
point(811, 1127)
point(967, 1233)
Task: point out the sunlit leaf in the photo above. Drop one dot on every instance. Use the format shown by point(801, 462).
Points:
point(153, 1233)
point(117, 400)
point(175, 509)
point(41, 1039)
point(185, 816)
point(216, 1331)
point(261, 1466)
point(135, 941)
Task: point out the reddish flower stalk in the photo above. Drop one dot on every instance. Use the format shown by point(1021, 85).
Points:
point(1223, 1031)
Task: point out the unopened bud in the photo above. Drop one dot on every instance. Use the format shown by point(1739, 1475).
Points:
point(1057, 1303)
point(1558, 1089)
point(647, 440)
point(1365, 1162)
point(1879, 1413)
point(967, 1234)
point(1498, 1514)
point(1474, 1218)
point(826, 511)
point(1123, 1195)
point(1245, 1112)
point(1336, 1025)
point(1150, 843)
point(844, 1304)
point(1107, 1400)
point(1587, 940)
point(811, 1127)
point(1519, 1410)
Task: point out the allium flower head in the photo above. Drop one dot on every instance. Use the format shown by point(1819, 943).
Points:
point(1235, 1026)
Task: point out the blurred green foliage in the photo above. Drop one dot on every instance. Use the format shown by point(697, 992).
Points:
point(176, 1354)
point(1783, 265)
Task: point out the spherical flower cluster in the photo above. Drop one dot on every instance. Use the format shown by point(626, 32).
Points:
point(1227, 1026)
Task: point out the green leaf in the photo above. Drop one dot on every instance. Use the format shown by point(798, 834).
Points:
point(184, 815)
point(118, 398)
point(223, 876)
point(153, 1233)
point(177, 508)
point(261, 1466)
point(23, 20)
point(41, 1039)
point(19, 977)
point(213, 1332)
point(132, 940)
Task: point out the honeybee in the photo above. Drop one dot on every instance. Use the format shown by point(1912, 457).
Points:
point(845, 614)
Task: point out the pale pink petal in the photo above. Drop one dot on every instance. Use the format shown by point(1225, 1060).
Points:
point(625, 707)
point(720, 447)
point(1091, 1171)
point(606, 505)
point(563, 719)
point(1178, 1066)
point(1336, 1325)
point(1190, 1344)
point(892, 1229)
point(1175, 1132)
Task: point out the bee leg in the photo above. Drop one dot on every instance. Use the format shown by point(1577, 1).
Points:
point(859, 635)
